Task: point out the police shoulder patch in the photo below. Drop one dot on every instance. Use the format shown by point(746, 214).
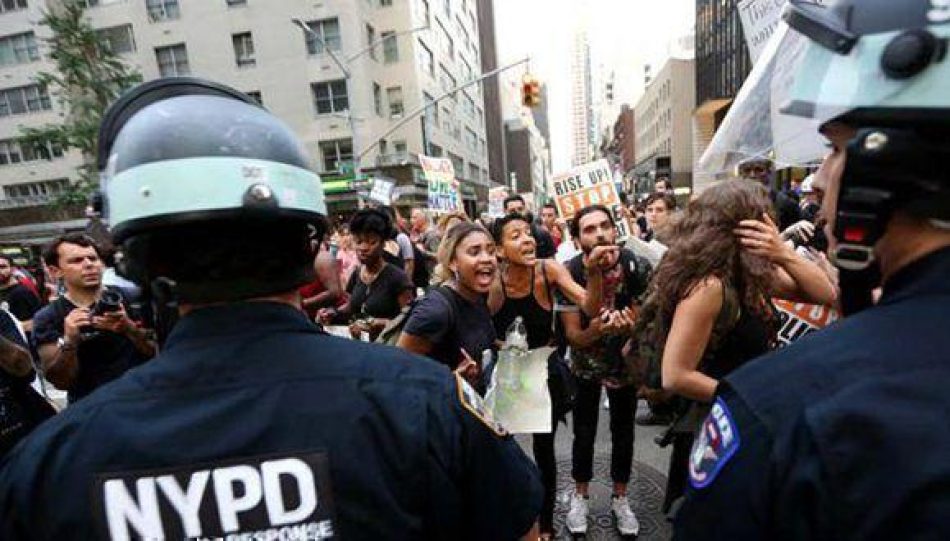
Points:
point(473, 402)
point(717, 441)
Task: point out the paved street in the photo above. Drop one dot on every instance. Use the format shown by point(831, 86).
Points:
point(646, 493)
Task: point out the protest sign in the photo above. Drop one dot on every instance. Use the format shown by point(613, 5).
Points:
point(443, 189)
point(496, 201)
point(798, 319)
point(382, 191)
point(760, 18)
point(586, 185)
point(518, 396)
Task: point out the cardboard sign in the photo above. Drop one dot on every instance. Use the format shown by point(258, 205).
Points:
point(586, 185)
point(443, 188)
point(760, 18)
point(382, 191)
point(496, 201)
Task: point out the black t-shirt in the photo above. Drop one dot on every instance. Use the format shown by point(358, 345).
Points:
point(102, 357)
point(544, 244)
point(21, 408)
point(381, 298)
point(450, 322)
point(20, 301)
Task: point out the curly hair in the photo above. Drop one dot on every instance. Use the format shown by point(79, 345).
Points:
point(704, 245)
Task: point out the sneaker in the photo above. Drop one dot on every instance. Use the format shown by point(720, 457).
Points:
point(627, 521)
point(577, 515)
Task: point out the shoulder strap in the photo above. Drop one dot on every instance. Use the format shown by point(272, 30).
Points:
point(547, 290)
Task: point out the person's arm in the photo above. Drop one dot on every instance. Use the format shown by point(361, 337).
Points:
point(589, 299)
point(59, 361)
point(427, 325)
point(329, 275)
point(795, 278)
point(23, 304)
point(579, 337)
point(690, 331)
point(408, 258)
point(414, 344)
point(14, 359)
point(119, 322)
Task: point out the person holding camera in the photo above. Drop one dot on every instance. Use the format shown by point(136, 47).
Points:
point(86, 337)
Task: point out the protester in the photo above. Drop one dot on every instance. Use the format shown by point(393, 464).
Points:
point(86, 337)
point(597, 361)
point(324, 290)
point(549, 221)
point(21, 408)
point(378, 290)
point(346, 258)
point(759, 170)
point(658, 209)
point(398, 248)
point(711, 293)
point(15, 297)
point(253, 424)
point(514, 204)
point(425, 242)
point(452, 324)
point(663, 185)
point(526, 289)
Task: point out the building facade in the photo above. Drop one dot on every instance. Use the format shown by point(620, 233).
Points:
point(663, 121)
point(581, 136)
point(253, 46)
point(494, 125)
point(722, 64)
point(527, 159)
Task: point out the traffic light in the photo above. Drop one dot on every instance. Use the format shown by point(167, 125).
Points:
point(530, 91)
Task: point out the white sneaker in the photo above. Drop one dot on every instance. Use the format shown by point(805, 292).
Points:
point(627, 521)
point(577, 515)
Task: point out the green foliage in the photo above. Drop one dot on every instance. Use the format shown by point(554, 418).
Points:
point(88, 77)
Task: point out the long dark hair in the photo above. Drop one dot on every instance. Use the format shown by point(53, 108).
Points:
point(704, 245)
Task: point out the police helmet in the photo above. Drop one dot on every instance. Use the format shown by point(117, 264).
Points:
point(881, 67)
point(208, 189)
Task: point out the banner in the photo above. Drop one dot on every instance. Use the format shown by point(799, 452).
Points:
point(496, 201)
point(798, 319)
point(443, 188)
point(382, 191)
point(518, 396)
point(760, 18)
point(586, 185)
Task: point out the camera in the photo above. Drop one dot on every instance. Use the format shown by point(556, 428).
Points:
point(109, 302)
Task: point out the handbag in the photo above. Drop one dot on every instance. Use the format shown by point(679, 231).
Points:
point(561, 382)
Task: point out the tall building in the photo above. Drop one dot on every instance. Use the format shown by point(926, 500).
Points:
point(527, 158)
point(540, 114)
point(663, 122)
point(494, 129)
point(722, 64)
point(582, 138)
point(253, 46)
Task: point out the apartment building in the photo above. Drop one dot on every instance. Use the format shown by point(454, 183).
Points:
point(253, 46)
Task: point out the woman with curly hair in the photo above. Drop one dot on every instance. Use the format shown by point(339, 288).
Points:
point(710, 298)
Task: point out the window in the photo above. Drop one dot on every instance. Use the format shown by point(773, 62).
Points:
point(329, 32)
point(235, 3)
point(12, 5)
point(446, 79)
point(12, 151)
point(371, 40)
point(94, 3)
point(385, 3)
point(161, 10)
point(394, 97)
point(336, 152)
point(172, 60)
point(24, 99)
point(378, 99)
point(18, 49)
point(424, 11)
point(471, 140)
point(330, 96)
point(390, 47)
point(40, 189)
point(118, 39)
point(448, 7)
point(431, 112)
point(473, 172)
point(400, 148)
point(426, 61)
point(448, 46)
point(256, 96)
point(436, 151)
point(243, 49)
point(468, 105)
point(458, 164)
point(446, 120)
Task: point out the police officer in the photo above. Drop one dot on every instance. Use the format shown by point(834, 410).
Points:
point(251, 424)
point(844, 434)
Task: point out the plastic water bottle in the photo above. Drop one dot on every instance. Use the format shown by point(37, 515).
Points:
point(516, 347)
point(516, 337)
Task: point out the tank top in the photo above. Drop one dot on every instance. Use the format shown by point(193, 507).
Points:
point(749, 338)
point(537, 320)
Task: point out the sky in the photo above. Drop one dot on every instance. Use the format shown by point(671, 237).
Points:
point(623, 36)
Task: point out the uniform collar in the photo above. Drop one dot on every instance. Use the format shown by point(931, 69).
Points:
point(924, 277)
point(239, 318)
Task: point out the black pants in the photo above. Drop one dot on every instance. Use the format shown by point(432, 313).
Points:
point(676, 477)
point(586, 409)
point(543, 448)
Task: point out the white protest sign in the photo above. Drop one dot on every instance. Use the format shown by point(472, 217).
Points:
point(586, 185)
point(760, 18)
point(382, 191)
point(496, 201)
point(443, 188)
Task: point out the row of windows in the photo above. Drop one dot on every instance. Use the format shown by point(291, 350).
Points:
point(13, 152)
point(12, 5)
point(24, 99)
point(18, 49)
point(45, 188)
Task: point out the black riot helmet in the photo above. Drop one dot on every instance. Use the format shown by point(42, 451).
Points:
point(881, 67)
point(208, 190)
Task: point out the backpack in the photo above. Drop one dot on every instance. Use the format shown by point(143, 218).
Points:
point(391, 333)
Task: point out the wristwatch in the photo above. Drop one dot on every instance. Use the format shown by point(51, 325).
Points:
point(65, 344)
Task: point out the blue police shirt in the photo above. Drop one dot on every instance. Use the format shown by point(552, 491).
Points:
point(252, 423)
point(842, 435)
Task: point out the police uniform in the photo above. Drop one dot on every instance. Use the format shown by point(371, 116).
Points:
point(253, 422)
point(842, 435)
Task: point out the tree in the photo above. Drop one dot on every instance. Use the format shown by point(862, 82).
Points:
point(88, 77)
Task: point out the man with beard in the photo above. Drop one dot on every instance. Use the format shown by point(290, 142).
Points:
point(596, 359)
point(514, 204)
point(82, 341)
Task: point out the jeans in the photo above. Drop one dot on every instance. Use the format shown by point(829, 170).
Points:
point(586, 409)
